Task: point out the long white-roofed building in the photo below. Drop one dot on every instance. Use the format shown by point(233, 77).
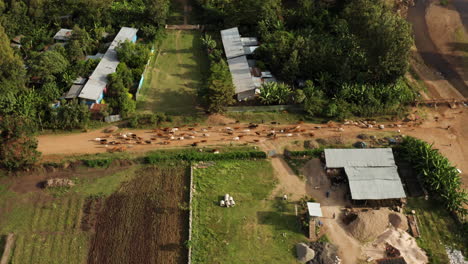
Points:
point(236, 48)
point(94, 89)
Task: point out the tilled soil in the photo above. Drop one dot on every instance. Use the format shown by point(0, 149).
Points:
point(144, 222)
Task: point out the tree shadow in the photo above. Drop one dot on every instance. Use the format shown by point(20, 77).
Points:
point(280, 221)
point(458, 46)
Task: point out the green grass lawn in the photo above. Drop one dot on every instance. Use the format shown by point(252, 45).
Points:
point(438, 229)
point(257, 230)
point(175, 75)
point(47, 224)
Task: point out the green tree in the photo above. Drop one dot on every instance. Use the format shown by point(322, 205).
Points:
point(315, 99)
point(119, 98)
point(69, 115)
point(208, 42)
point(12, 72)
point(134, 55)
point(220, 90)
point(48, 65)
point(18, 146)
point(386, 37)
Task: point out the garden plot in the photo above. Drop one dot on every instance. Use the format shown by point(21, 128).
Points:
point(146, 221)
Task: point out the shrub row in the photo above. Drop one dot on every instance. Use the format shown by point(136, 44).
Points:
point(315, 153)
point(98, 163)
point(204, 156)
point(146, 120)
point(440, 177)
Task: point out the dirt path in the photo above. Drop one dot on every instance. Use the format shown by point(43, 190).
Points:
point(462, 8)
point(187, 8)
point(428, 50)
point(317, 185)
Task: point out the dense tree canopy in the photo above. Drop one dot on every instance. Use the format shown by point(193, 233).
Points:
point(354, 53)
point(17, 146)
point(12, 70)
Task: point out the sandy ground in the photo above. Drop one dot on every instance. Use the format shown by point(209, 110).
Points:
point(402, 241)
point(452, 142)
point(437, 87)
point(444, 24)
point(440, 76)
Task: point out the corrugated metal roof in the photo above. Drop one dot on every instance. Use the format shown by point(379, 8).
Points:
point(108, 64)
point(79, 80)
point(241, 76)
point(249, 41)
point(63, 34)
point(74, 91)
point(377, 157)
point(249, 50)
point(374, 183)
point(314, 209)
point(232, 42)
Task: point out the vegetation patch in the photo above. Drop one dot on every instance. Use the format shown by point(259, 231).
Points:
point(204, 156)
point(258, 229)
point(440, 177)
point(438, 229)
point(98, 163)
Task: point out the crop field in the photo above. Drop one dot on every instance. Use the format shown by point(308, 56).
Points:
point(175, 75)
point(145, 221)
point(47, 230)
point(62, 225)
point(259, 229)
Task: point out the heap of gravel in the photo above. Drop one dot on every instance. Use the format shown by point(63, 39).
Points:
point(325, 253)
point(455, 256)
point(304, 253)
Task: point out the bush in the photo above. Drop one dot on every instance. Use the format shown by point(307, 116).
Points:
point(315, 153)
point(98, 163)
point(144, 120)
point(204, 156)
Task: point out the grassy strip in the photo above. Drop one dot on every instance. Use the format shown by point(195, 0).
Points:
point(204, 156)
point(438, 229)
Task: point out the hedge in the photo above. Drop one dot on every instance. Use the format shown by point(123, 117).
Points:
point(315, 153)
point(98, 163)
point(204, 156)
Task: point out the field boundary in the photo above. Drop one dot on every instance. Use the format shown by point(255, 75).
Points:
point(142, 78)
point(10, 240)
point(263, 108)
point(189, 253)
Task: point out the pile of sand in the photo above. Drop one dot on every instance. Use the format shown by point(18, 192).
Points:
point(368, 225)
point(402, 241)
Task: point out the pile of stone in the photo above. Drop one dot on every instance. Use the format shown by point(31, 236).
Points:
point(455, 256)
point(58, 182)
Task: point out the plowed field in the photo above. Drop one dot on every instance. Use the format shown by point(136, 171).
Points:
point(146, 221)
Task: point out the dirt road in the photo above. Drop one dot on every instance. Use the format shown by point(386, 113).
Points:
point(452, 142)
point(428, 50)
point(462, 7)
